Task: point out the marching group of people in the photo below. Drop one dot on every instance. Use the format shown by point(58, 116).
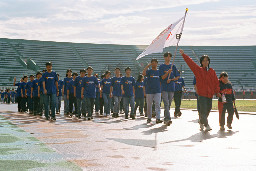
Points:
point(8, 96)
point(85, 93)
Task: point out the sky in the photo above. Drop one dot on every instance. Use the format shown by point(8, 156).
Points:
point(130, 22)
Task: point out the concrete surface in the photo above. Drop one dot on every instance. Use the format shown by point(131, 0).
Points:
point(32, 143)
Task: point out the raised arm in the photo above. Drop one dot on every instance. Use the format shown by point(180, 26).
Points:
point(192, 65)
point(144, 73)
point(14, 81)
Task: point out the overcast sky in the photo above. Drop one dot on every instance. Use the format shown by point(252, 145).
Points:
point(209, 22)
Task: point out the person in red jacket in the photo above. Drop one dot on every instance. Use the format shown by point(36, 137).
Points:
point(207, 85)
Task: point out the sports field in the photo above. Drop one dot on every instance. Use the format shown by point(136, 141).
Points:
point(241, 105)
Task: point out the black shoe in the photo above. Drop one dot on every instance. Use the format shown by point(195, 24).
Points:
point(154, 115)
point(47, 118)
point(54, 119)
point(179, 114)
point(133, 117)
point(168, 122)
point(175, 115)
point(126, 117)
point(158, 121)
point(229, 126)
point(148, 120)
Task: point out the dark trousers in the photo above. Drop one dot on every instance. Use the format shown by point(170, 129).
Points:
point(97, 102)
point(36, 108)
point(49, 102)
point(197, 103)
point(30, 104)
point(205, 105)
point(139, 102)
point(72, 103)
point(41, 108)
point(23, 104)
point(8, 100)
point(101, 105)
point(122, 105)
point(89, 103)
point(177, 100)
point(222, 110)
point(19, 103)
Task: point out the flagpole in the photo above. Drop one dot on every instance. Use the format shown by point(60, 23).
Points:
point(178, 40)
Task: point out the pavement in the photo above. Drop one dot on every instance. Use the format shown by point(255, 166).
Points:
point(32, 143)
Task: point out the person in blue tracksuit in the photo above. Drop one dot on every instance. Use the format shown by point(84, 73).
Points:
point(28, 94)
point(64, 90)
point(105, 93)
point(81, 108)
point(13, 96)
point(23, 94)
point(8, 96)
point(169, 74)
point(88, 92)
point(115, 92)
point(18, 92)
point(179, 84)
point(58, 100)
point(51, 89)
point(153, 90)
point(71, 97)
point(36, 93)
point(42, 95)
point(2, 96)
point(128, 92)
point(139, 94)
point(97, 99)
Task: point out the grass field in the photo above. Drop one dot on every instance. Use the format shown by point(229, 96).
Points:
point(241, 105)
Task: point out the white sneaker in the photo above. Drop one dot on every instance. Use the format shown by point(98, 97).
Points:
point(201, 127)
point(208, 128)
point(74, 117)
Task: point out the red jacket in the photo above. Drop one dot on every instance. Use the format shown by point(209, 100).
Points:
point(207, 82)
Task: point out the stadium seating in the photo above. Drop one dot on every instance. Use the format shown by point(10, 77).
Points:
point(238, 61)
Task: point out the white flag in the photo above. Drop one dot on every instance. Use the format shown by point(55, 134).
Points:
point(168, 37)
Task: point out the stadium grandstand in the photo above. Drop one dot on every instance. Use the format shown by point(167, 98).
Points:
point(25, 57)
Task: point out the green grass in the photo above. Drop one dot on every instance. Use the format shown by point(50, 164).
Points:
point(241, 105)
